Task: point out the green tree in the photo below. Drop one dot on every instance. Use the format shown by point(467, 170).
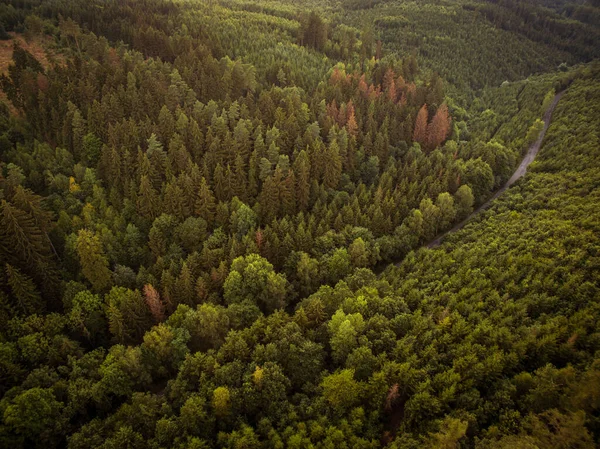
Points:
point(164, 350)
point(127, 313)
point(36, 415)
point(221, 401)
point(94, 264)
point(206, 203)
point(26, 296)
point(253, 278)
point(359, 253)
point(345, 331)
point(340, 390)
point(447, 211)
point(479, 176)
point(464, 201)
point(87, 316)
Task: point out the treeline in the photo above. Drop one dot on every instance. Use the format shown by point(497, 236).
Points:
point(553, 30)
point(477, 45)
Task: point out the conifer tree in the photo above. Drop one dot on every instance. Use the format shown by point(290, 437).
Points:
point(269, 199)
point(94, 264)
point(27, 298)
point(438, 129)
point(205, 203)
point(420, 131)
point(240, 183)
point(19, 234)
point(302, 172)
point(333, 166)
point(147, 199)
point(154, 303)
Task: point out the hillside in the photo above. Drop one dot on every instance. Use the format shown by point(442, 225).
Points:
point(214, 219)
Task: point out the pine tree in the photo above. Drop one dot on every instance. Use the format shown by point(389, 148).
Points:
point(29, 202)
point(420, 131)
point(27, 298)
point(206, 203)
point(351, 124)
point(174, 201)
point(147, 199)
point(438, 129)
point(288, 194)
point(19, 235)
point(166, 124)
point(302, 172)
point(220, 183)
point(94, 264)
point(253, 172)
point(333, 166)
point(185, 286)
point(269, 199)
point(240, 184)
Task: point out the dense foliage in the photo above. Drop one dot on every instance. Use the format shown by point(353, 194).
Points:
point(193, 196)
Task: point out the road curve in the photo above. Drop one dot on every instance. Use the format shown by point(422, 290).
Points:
point(519, 173)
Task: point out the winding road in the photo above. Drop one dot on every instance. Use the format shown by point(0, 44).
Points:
point(519, 173)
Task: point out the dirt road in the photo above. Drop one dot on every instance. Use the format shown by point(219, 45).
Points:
point(519, 173)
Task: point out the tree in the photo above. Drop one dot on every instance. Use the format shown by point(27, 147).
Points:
point(269, 198)
point(479, 176)
point(420, 130)
point(451, 431)
point(313, 32)
point(332, 166)
point(207, 325)
point(243, 219)
point(221, 401)
point(87, 317)
point(431, 217)
point(35, 414)
point(205, 203)
point(154, 303)
point(464, 201)
point(337, 265)
point(164, 349)
point(302, 170)
point(27, 298)
point(121, 372)
point(191, 234)
point(344, 330)
point(19, 235)
point(162, 235)
point(69, 28)
point(534, 131)
point(447, 212)
point(94, 264)
point(195, 418)
point(147, 200)
point(307, 272)
point(438, 129)
point(351, 124)
point(92, 148)
point(127, 313)
point(253, 278)
point(359, 253)
point(340, 390)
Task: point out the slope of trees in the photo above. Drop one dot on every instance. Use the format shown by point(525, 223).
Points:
point(192, 199)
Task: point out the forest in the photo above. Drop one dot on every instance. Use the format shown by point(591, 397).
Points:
point(215, 218)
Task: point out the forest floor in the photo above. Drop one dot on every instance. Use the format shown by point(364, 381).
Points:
point(518, 174)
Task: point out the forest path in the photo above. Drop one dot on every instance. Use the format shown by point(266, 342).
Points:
point(519, 173)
